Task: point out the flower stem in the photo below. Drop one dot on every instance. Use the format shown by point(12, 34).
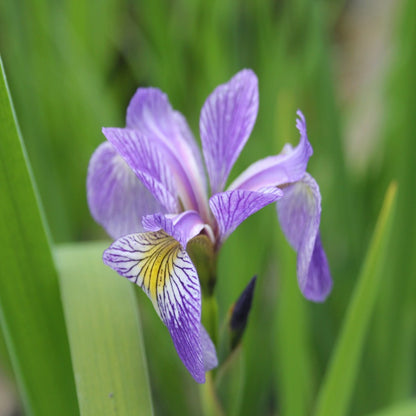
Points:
point(210, 403)
point(209, 317)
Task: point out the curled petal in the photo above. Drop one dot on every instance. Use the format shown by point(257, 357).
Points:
point(231, 208)
point(299, 214)
point(116, 197)
point(148, 162)
point(227, 119)
point(287, 167)
point(158, 264)
point(151, 114)
point(181, 227)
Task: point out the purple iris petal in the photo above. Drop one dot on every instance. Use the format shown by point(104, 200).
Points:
point(116, 197)
point(148, 162)
point(287, 167)
point(181, 227)
point(319, 282)
point(150, 113)
point(157, 263)
point(231, 208)
point(299, 214)
point(153, 169)
point(208, 350)
point(227, 119)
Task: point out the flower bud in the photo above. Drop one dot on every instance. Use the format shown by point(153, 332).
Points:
point(239, 313)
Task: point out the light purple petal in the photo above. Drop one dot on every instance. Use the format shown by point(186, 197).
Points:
point(150, 113)
point(231, 208)
point(149, 164)
point(157, 263)
point(116, 197)
point(299, 214)
point(227, 119)
point(287, 167)
point(319, 282)
point(181, 227)
point(208, 350)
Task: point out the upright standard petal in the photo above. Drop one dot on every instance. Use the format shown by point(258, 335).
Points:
point(231, 208)
point(227, 119)
point(148, 162)
point(158, 264)
point(299, 214)
point(150, 113)
point(287, 167)
point(116, 197)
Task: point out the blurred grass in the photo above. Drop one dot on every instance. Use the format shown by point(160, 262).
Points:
point(73, 66)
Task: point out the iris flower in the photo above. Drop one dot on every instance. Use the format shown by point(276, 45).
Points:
point(147, 187)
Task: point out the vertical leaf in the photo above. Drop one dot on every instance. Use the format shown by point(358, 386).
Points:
point(397, 311)
point(31, 314)
point(292, 338)
point(338, 385)
point(292, 352)
point(104, 334)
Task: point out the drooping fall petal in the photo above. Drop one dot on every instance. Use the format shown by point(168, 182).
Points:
point(299, 214)
point(158, 264)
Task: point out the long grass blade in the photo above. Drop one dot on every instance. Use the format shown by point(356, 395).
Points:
point(338, 385)
point(31, 315)
point(104, 334)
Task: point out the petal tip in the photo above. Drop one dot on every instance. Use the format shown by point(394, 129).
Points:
point(301, 126)
point(248, 73)
point(199, 378)
point(318, 296)
point(318, 284)
point(300, 115)
point(106, 130)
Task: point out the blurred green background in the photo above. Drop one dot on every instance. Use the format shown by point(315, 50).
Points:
point(72, 67)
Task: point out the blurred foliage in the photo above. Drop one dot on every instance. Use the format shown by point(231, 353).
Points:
point(72, 67)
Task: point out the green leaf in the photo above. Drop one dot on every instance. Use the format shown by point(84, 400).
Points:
point(31, 315)
point(229, 383)
point(407, 408)
point(292, 338)
point(105, 334)
point(291, 331)
point(338, 384)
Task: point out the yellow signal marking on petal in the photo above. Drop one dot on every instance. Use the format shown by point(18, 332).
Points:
point(157, 265)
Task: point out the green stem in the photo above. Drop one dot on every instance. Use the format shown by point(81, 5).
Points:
point(209, 400)
point(210, 316)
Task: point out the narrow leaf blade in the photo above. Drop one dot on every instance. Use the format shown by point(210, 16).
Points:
point(104, 334)
point(338, 384)
point(31, 316)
